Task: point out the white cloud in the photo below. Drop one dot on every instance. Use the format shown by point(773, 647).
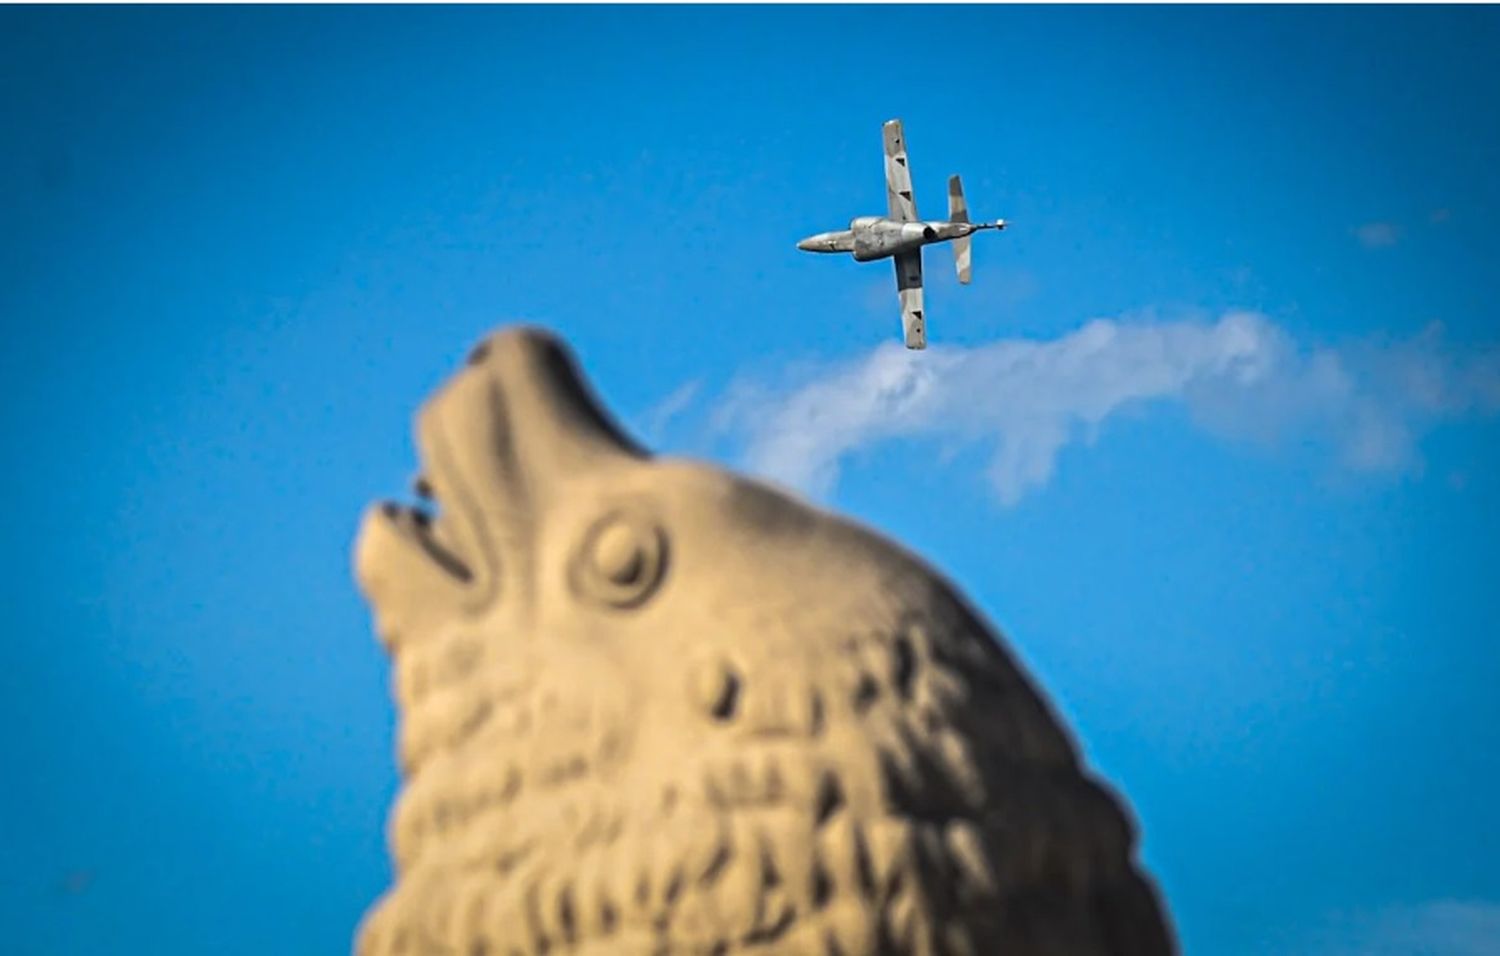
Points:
point(1376, 235)
point(1439, 928)
point(663, 413)
point(1024, 400)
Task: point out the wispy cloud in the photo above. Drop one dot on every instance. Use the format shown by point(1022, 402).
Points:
point(1439, 928)
point(1377, 235)
point(657, 418)
point(1241, 376)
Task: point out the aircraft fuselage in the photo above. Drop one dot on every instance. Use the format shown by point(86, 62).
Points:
point(875, 237)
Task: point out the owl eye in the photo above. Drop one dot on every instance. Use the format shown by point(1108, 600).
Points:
point(623, 559)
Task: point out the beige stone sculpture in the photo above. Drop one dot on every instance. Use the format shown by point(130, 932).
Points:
point(650, 707)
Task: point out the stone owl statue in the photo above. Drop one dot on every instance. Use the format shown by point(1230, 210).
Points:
point(651, 707)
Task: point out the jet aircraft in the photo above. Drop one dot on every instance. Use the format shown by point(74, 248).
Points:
point(901, 235)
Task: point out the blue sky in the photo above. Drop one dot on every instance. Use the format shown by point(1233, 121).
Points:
point(1212, 436)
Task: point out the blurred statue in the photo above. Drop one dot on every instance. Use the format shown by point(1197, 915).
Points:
point(651, 707)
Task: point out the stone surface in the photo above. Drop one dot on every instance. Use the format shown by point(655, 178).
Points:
point(648, 706)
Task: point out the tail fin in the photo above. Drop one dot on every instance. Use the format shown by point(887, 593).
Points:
point(958, 211)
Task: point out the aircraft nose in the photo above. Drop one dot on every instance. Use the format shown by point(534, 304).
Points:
point(810, 244)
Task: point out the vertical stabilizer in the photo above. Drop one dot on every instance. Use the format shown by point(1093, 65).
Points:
point(958, 211)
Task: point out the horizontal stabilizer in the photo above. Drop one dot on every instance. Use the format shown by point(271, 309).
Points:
point(958, 211)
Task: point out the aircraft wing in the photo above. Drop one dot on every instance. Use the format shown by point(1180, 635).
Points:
point(898, 194)
point(909, 287)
